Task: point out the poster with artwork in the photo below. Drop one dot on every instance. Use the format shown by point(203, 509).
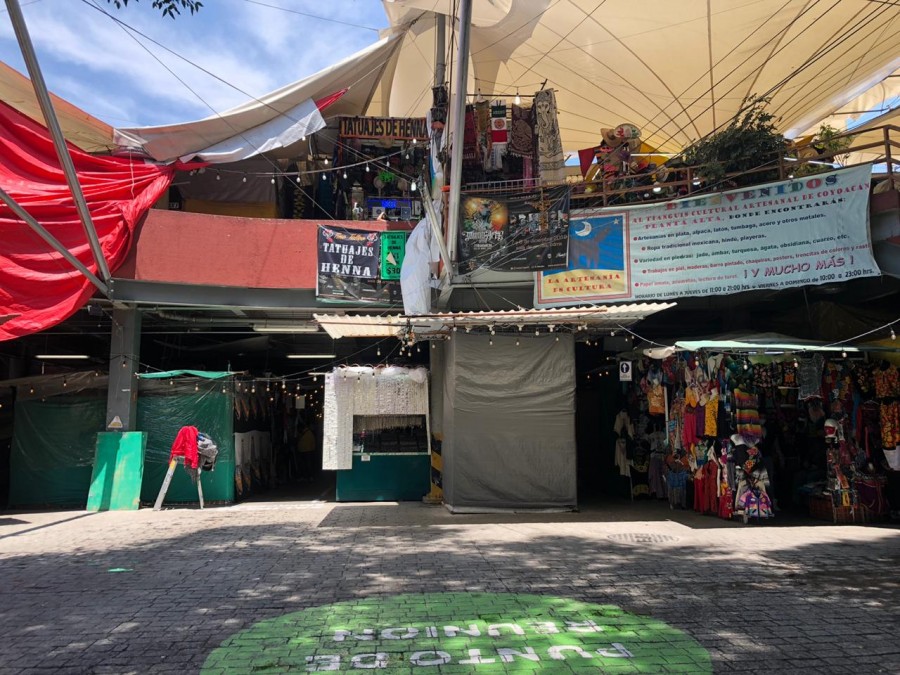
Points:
point(524, 231)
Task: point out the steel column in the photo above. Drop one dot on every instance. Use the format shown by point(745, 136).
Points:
point(59, 142)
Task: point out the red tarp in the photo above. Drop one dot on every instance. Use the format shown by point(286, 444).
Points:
point(38, 287)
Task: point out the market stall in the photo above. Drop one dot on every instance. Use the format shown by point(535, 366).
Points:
point(377, 433)
point(744, 427)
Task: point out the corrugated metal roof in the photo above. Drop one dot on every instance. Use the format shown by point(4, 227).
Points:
point(604, 316)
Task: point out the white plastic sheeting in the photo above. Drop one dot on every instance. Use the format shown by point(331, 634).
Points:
point(509, 423)
point(415, 273)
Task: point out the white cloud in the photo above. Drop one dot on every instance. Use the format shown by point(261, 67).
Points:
point(88, 59)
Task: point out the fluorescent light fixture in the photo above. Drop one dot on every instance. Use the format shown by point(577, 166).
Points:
point(286, 328)
point(312, 356)
point(63, 357)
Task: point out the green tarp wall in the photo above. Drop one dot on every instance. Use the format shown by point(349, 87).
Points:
point(161, 416)
point(53, 450)
point(54, 443)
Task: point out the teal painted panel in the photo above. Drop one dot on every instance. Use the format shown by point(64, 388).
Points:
point(161, 416)
point(385, 478)
point(118, 471)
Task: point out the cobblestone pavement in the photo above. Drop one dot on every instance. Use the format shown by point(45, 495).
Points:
point(162, 591)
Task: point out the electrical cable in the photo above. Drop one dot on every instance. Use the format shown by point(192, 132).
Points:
point(312, 16)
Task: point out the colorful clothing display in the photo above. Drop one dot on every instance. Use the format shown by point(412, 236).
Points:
point(747, 415)
point(887, 382)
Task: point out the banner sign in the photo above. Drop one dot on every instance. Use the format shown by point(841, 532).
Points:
point(393, 249)
point(347, 267)
point(526, 231)
point(802, 232)
point(399, 128)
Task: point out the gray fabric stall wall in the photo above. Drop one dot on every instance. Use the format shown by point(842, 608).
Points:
point(509, 423)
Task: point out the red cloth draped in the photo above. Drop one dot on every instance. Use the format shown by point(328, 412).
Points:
point(185, 445)
point(38, 287)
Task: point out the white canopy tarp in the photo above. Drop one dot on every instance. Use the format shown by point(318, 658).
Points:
point(276, 121)
point(676, 70)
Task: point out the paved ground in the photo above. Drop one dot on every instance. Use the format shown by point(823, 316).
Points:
point(160, 592)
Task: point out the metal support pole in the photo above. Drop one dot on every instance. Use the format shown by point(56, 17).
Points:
point(458, 116)
point(124, 358)
point(53, 241)
point(440, 49)
point(59, 142)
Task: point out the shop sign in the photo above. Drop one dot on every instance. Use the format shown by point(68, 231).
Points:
point(399, 128)
point(625, 372)
point(347, 267)
point(802, 232)
point(393, 249)
point(524, 231)
point(407, 632)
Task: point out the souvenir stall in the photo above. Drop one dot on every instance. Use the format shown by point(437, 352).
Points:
point(377, 433)
point(738, 430)
point(377, 162)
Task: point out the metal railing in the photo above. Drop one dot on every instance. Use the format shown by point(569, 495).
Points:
point(687, 181)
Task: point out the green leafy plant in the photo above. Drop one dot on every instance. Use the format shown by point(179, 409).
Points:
point(828, 141)
point(747, 146)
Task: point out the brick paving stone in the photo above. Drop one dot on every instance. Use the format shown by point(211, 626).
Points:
point(758, 598)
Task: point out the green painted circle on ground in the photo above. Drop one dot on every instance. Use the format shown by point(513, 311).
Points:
point(460, 633)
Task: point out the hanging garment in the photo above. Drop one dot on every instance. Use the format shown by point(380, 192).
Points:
point(676, 480)
point(656, 475)
point(887, 382)
point(624, 429)
point(747, 416)
point(185, 445)
point(710, 427)
point(890, 424)
point(521, 136)
point(656, 404)
point(811, 377)
point(551, 163)
point(640, 468)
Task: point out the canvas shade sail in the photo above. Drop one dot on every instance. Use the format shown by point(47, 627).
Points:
point(38, 287)
point(677, 70)
point(276, 122)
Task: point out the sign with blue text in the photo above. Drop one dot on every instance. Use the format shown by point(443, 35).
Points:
point(801, 232)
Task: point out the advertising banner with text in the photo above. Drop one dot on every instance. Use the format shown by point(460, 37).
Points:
point(803, 232)
point(347, 268)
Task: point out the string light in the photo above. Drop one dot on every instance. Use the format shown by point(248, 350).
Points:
point(66, 384)
point(273, 180)
point(378, 353)
point(517, 342)
point(537, 331)
point(844, 354)
point(367, 168)
point(344, 175)
point(324, 177)
point(197, 387)
point(518, 99)
point(326, 161)
point(491, 341)
point(244, 179)
point(412, 186)
point(893, 334)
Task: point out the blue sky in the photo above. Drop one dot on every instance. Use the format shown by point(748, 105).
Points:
point(88, 59)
